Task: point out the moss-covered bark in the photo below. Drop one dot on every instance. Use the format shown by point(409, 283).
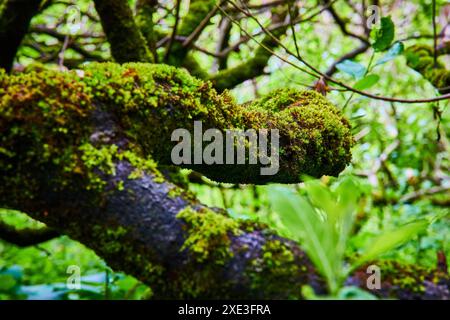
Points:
point(15, 17)
point(151, 101)
point(126, 40)
point(421, 59)
point(74, 154)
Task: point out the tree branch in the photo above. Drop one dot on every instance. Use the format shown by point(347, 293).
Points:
point(75, 155)
point(229, 78)
point(145, 10)
point(198, 14)
point(26, 237)
point(15, 17)
point(350, 55)
point(342, 24)
point(126, 40)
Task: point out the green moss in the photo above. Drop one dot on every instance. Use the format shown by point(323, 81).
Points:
point(208, 234)
point(126, 40)
point(406, 278)
point(145, 10)
point(421, 59)
point(110, 239)
point(157, 99)
point(198, 10)
point(275, 269)
point(44, 118)
point(101, 158)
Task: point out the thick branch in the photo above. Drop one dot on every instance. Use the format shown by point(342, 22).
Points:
point(145, 10)
point(74, 155)
point(15, 17)
point(125, 38)
point(254, 67)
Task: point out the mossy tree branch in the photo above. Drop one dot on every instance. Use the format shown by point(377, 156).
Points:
point(15, 17)
point(254, 67)
point(26, 237)
point(145, 10)
point(126, 40)
point(75, 154)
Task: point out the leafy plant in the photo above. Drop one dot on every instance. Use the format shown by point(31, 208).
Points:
point(322, 222)
point(352, 68)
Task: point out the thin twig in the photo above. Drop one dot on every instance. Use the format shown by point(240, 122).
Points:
point(174, 31)
point(202, 25)
point(340, 83)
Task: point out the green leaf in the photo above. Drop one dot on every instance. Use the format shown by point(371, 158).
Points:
point(390, 240)
point(320, 196)
point(7, 282)
point(304, 225)
point(396, 50)
point(352, 68)
point(383, 36)
point(367, 82)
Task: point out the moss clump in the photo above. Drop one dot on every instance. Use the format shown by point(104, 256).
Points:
point(44, 117)
point(421, 59)
point(313, 135)
point(149, 102)
point(208, 234)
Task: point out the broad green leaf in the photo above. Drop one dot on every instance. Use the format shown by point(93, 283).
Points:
point(367, 82)
point(396, 50)
point(352, 68)
point(390, 240)
point(320, 196)
point(354, 293)
point(7, 282)
point(305, 226)
point(383, 36)
point(347, 193)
